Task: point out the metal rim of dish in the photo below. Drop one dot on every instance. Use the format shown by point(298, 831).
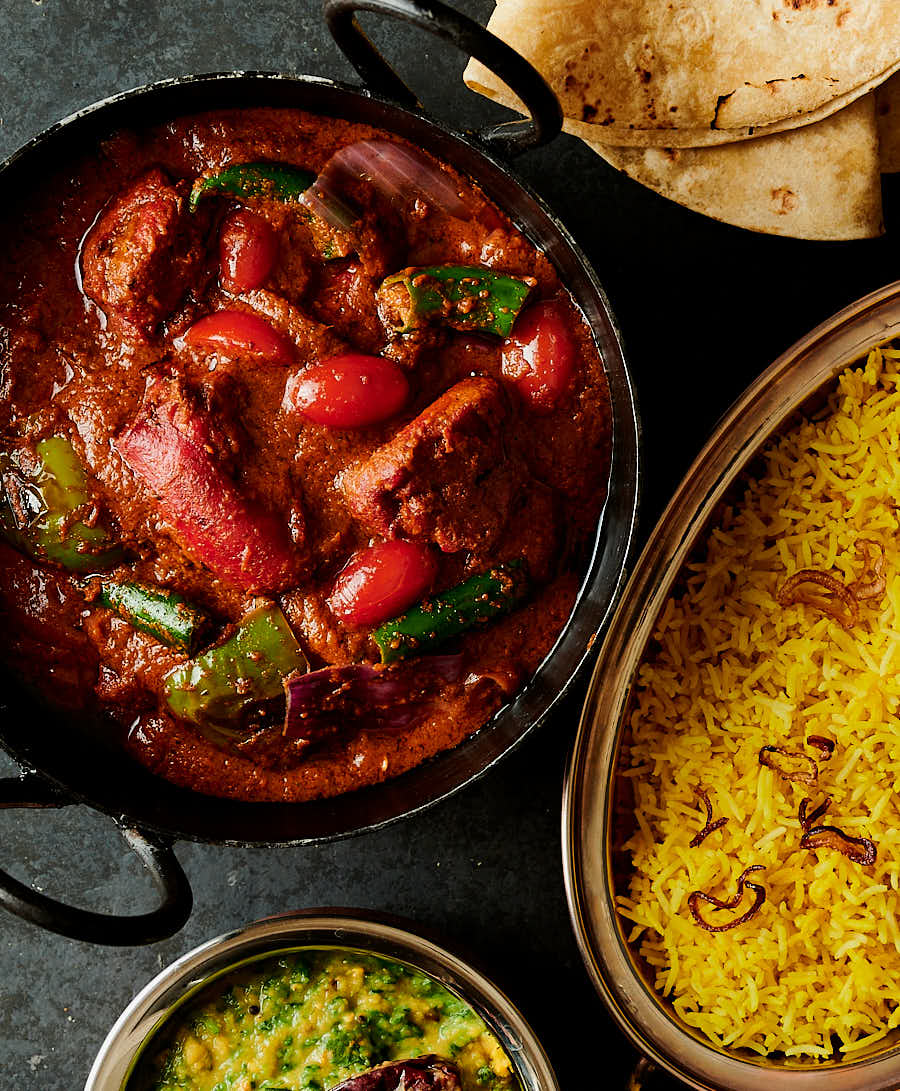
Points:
point(639, 1011)
point(336, 928)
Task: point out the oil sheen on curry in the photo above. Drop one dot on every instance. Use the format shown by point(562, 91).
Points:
point(304, 446)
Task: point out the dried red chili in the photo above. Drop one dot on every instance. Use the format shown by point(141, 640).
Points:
point(807, 820)
point(790, 592)
point(858, 849)
point(767, 757)
point(871, 583)
point(823, 745)
point(710, 826)
point(759, 896)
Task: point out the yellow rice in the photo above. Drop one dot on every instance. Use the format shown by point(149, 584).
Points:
point(819, 966)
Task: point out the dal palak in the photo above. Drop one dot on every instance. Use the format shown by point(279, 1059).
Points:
point(311, 1019)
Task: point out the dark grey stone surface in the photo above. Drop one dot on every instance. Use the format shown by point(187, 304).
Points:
point(703, 308)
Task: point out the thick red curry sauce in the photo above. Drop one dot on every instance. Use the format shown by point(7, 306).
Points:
point(105, 271)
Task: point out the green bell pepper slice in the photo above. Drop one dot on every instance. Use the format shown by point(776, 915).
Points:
point(476, 602)
point(278, 181)
point(227, 680)
point(464, 297)
point(157, 611)
point(41, 503)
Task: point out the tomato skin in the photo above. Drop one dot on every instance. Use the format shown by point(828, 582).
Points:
point(379, 582)
point(239, 333)
point(538, 357)
point(248, 247)
point(349, 391)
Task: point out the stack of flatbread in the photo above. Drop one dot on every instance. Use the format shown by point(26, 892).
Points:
point(775, 115)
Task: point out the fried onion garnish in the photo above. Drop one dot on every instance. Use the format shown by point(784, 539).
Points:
point(710, 826)
point(823, 745)
point(780, 761)
point(759, 896)
point(808, 820)
point(858, 849)
point(872, 581)
point(792, 591)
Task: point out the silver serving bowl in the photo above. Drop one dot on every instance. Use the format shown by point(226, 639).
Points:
point(340, 928)
point(767, 405)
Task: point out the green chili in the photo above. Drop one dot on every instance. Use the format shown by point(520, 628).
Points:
point(161, 613)
point(279, 181)
point(248, 667)
point(47, 510)
point(476, 602)
point(464, 297)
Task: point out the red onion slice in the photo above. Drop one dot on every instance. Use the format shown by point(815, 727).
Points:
point(428, 1073)
point(399, 173)
point(446, 667)
point(322, 200)
point(364, 696)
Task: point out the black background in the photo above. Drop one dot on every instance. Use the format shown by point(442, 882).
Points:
point(703, 308)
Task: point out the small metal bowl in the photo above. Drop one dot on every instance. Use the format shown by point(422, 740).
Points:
point(337, 928)
point(795, 380)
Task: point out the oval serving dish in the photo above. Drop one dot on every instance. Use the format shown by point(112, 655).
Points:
point(590, 820)
point(164, 996)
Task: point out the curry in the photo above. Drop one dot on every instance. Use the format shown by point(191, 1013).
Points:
point(303, 448)
point(310, 1020)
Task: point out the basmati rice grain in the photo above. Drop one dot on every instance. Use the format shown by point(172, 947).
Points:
point(819, 965)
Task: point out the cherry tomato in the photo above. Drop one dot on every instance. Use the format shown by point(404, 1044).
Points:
point(248, 247)
point(380, 582)
point(239, 333)
point(349, 391)
point(538, 357)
